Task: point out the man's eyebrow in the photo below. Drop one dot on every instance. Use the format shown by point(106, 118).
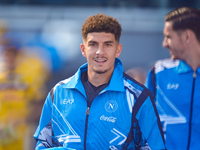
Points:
point(97, 42)
point(109, 42)
point(92, 41)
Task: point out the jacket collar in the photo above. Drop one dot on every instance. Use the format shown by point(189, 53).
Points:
point(116, 82)
point(183, 67)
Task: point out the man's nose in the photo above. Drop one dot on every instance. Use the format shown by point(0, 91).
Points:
point(165, 43)
point(100, 50)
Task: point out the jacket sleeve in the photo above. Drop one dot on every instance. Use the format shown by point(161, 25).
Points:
point(150, 81)
point(149, 122)
point(40, 146)
point(44, 132)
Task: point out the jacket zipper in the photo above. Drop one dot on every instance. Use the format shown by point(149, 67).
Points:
point(191, 110)
point(86, 125)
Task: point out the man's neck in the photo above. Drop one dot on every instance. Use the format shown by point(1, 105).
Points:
point(193, 63)
point(98, 79)
point(193, 56)
point(194, 60)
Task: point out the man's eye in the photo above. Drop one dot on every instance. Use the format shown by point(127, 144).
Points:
point(92, 44)
point(108, 44)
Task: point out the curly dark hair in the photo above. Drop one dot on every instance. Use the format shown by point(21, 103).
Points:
point(101, 23)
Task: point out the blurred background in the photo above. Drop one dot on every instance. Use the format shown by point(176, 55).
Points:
point(53, 29)
point(47, 36)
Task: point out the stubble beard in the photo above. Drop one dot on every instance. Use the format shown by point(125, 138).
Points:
point(100, 72)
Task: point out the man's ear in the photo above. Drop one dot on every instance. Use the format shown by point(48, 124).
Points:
point(119, 49)
point(189, 36)
point(83, 49)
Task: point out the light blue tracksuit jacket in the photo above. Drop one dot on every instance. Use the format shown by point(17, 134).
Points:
point(122, 116)
point(177, 90)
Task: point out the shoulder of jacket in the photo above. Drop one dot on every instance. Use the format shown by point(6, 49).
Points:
point(168, 63)
point(61, 83)
point(132, 85)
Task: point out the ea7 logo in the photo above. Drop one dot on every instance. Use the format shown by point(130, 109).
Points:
point(172, 86)
point(68, 101)
point(111, 106)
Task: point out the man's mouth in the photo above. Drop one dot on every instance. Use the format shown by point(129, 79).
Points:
point(101, 60)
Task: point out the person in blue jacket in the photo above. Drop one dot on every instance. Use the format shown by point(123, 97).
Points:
point(175, 82)
point(100, 107)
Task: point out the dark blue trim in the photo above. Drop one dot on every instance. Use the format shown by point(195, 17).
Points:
point(191, 111)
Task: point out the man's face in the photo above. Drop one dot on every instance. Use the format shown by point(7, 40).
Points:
point(100, 50)
point(173, 41)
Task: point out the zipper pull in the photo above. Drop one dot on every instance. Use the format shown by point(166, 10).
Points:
point(87, 111)
point(194, 74)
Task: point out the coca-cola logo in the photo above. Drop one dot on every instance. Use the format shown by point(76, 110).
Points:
point(108, 119)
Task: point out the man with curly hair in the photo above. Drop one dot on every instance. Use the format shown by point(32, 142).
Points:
point(100, 107)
